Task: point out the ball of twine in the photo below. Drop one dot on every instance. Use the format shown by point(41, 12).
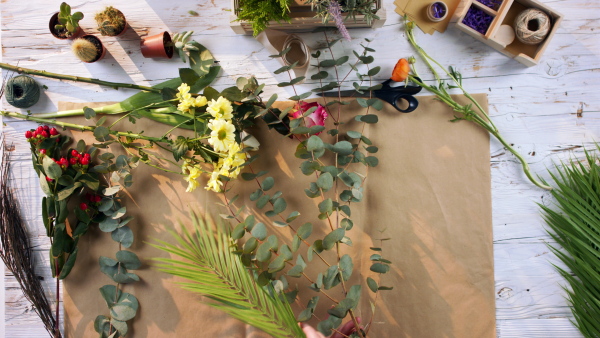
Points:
point(532, 26)
point(22, 91)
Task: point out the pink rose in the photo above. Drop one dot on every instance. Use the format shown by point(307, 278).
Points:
point(316, 118)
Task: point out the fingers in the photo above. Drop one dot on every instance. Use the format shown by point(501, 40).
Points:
point(346, 329)
point(310, 332)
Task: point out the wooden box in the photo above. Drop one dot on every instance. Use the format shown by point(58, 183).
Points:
point(304, 20)
point(529, 55)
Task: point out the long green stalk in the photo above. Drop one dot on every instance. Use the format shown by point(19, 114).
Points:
point(79, 127)
point(479, 117)
point(44, 73)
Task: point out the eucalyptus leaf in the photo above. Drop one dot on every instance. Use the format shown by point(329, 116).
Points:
point(325, 181)
point(259, 231)
point(123, 235)
point(333, 237)
point(128, 259)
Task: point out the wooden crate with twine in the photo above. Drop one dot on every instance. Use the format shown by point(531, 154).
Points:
point(303, 19)
point(529, 55)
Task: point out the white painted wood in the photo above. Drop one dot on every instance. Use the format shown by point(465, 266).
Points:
point(547, 111)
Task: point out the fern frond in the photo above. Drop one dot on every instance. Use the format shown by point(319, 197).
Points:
point(216, 272)
point(575, 226)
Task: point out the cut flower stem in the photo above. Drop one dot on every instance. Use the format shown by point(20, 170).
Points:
point(480, 118)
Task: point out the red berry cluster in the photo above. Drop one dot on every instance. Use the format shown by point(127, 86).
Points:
point(42, 132)
point(94, 200)
point(77, 158)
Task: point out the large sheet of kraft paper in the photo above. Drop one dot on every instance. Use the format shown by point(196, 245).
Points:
point(430, 194)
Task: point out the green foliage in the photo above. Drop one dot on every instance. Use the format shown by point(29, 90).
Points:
point(575, 226)
point(68, 23)
point(260, 12)
point(213, 270)
point(110, 21)
point(62, 176)
point(351, 8)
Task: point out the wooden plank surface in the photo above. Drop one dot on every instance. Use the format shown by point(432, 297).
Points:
point(549, 112)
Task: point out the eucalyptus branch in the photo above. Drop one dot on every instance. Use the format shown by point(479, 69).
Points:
point(114, 85)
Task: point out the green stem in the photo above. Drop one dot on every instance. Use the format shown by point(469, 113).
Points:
point(78, 126)
point(44, 73)
point(468, 114)
point(524, 163)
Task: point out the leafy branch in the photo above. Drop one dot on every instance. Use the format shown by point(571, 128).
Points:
point(216, 272)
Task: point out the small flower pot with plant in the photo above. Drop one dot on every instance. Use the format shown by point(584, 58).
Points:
point(88, 49)
point(111, 22)
point(157, 46)
point(64, 25)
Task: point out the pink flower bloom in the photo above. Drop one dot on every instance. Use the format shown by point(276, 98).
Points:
point(316, 118)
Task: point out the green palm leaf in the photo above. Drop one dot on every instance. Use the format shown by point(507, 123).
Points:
point(575, 226)
point(217, 273)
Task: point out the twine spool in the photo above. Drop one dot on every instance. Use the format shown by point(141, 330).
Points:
point(22, 91)
point(532, 26)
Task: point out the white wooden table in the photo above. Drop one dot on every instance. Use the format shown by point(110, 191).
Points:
point(547, 111)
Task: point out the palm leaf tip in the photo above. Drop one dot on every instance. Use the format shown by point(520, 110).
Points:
point(574, 224)
point(204, 257)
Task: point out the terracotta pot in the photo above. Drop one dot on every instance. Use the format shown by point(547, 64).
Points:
point(53, 22)
point(93, 38)
point(157, 46)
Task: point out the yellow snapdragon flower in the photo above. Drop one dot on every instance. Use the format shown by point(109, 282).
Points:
point(220, 109)
point(222, 135)
point(214, 183)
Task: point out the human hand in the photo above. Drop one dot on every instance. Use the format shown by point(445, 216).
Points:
point(344, 331)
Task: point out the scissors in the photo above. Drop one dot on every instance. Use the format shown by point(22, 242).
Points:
point(387, 93)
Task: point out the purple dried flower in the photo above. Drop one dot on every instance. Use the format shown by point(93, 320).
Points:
point(335, 11)
point(493, 4)
point(478, 20)
point(439, 10)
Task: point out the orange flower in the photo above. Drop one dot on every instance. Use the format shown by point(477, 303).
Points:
point(401, 70)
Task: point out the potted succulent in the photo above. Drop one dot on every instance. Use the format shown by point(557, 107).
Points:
point(157, 46)
point(64, 25)
point(111, 22)
point(88, 48)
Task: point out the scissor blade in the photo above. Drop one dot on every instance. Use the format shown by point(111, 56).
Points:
point(344, 93)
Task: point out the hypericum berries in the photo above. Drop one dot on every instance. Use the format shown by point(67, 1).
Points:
point(28, 134)
point(84, 160)
point(73, 160)
point(48, 179)
point(44, 134)
point(63, 163)
point(43, 151)
point(83, 206)
point(74, 153)
point(53, 132)
point(39, 130)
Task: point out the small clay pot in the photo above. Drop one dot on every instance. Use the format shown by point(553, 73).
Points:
point(437, 11)
point(99, 46)
point(61, 35)
point(157, 46)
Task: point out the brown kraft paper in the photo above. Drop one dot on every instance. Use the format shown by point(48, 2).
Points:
point(430, 194)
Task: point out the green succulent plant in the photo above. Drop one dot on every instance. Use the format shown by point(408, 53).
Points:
point(111, 21)
point(67, 21)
